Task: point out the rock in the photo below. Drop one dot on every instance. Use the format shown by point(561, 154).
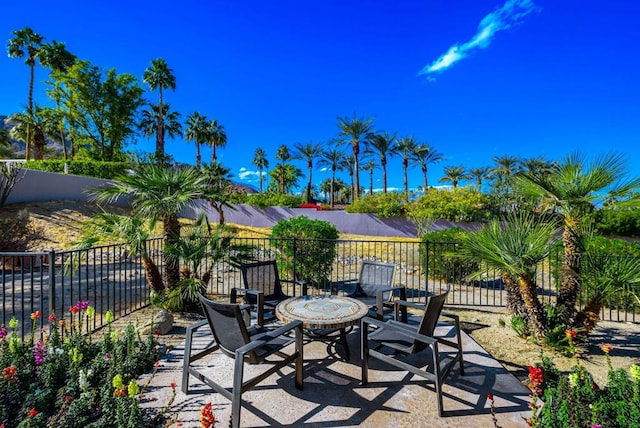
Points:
point(161, 323)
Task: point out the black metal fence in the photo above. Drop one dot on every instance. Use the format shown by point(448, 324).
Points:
point(111, 279)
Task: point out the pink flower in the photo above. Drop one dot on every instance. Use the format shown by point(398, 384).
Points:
point(82, 306)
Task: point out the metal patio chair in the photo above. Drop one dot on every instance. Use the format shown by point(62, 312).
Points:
point(404, 339)
point(251, 345)
point(263, 289)
point(374, 286)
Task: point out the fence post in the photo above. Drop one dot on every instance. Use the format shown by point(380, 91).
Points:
point(295, 253)
point(426, 271)
point(52, 281)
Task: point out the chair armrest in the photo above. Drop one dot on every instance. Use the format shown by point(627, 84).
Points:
point(336, 284)
point(195, 326)
point(450, 315)
point(380, 301)
point(303, 284)
point(235, 291)
point(268, 337)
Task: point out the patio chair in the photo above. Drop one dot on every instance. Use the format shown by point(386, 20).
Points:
point(251, 345)
point(404, 339)
point(374, 286)
point(262, 289)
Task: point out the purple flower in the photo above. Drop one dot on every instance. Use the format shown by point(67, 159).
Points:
point(3, 332)
point(596, 426)
point(40, 352)
point(82, 306)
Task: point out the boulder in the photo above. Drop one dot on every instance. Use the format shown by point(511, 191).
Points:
point(160, 323)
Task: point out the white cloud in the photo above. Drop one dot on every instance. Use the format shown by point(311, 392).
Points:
point(501, 19)
point(250, 176)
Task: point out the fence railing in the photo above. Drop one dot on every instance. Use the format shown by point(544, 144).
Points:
point(110, 278)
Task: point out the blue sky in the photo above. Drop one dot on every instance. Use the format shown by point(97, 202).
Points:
point(473, 78)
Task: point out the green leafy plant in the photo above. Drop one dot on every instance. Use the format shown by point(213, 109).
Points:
point(89, 168)
point(384, 205)
point(460, 204)
point(307, 248)
point(439, 252)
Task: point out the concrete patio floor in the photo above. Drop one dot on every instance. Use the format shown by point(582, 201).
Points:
point(334, 397)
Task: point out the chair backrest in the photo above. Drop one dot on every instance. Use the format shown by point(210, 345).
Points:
point(427, 326)
point(227, 325)
point(262, 276)
point(376, 275)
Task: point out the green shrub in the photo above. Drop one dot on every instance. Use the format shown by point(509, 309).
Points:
point(617, 222)
point(307, 248)
point(438, 254)
point(264, 200)
point(88, 168)
point(384, 205)
point(461, 205)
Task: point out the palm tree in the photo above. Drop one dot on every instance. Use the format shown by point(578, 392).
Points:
point(479, 174)
point(369, 166)
point(307, 152)
point(505, 169)
point(453, 175)
point(58, 59)
point(34, 123)
point(572, 190)
point(171, 122)
point(26, 43)
point(197, 131)
point(335, 160)
point(159, 76)
point(406, 147)
point(217, 138)
point(514, 247)
point(537, 166)
point(383, 145)
point(355, 130)
point(286, 175)
point(158, 192)
point(425, 154)
point(283, 155)
point(217, 187)
point(260, 160)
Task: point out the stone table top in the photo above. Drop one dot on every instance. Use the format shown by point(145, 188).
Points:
point(322, 312)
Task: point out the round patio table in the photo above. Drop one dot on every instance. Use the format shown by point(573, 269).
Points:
point(324, 317)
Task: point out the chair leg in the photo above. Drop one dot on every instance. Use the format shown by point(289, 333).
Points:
point(300, 360)
point(187, 360)
point(438, 380)
point(460, 353)
point(236, 401)
point(364, 353)
point(343, 340)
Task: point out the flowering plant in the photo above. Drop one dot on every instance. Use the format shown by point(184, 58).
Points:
point(60, 377)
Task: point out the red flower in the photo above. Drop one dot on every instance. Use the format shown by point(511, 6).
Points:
point(35, 315)
point(74, 309)
point(571, 333)
point(489, 396)
point(173, 385)
point(207, 419)
point(606, 348)
point(32, 413)
point(52, 318)
point(9, 373)
point(536, 377)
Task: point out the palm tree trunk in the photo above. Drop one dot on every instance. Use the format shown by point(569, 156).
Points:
point(384, 175)
point(588, 317)
point(570, 283)
point(261, 178)
point(405, 166)
point(356, 170)
point(171, 263)
point(332, 197)
point(198, 158)
point(152, 273)
point(30, 107)
point(515, 304)
point(527, 289)
point(160, 133)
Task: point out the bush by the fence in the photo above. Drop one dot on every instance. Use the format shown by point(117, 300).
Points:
point(308, 244)
point(438, 252)
point(89, 168)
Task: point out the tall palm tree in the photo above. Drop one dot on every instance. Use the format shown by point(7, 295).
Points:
point(572, 190)
point(217, 138)
point(283, 155)
point(58, 59)
point(514, 247)
point(261, 162)
point(335, 160)
point(382, 145)
point(27, 43)
point(158, 193)
point(217, 187)
point(159, 76)
point(33, 123)
point(425, 154)
point(171, 122)
point(406, 147)
point(370, 166)
point(453, 175)
point(356, 130)
point(198, 132)
point(504, 170)
point(307, 152)
point(537, 166)
point(479, 174)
